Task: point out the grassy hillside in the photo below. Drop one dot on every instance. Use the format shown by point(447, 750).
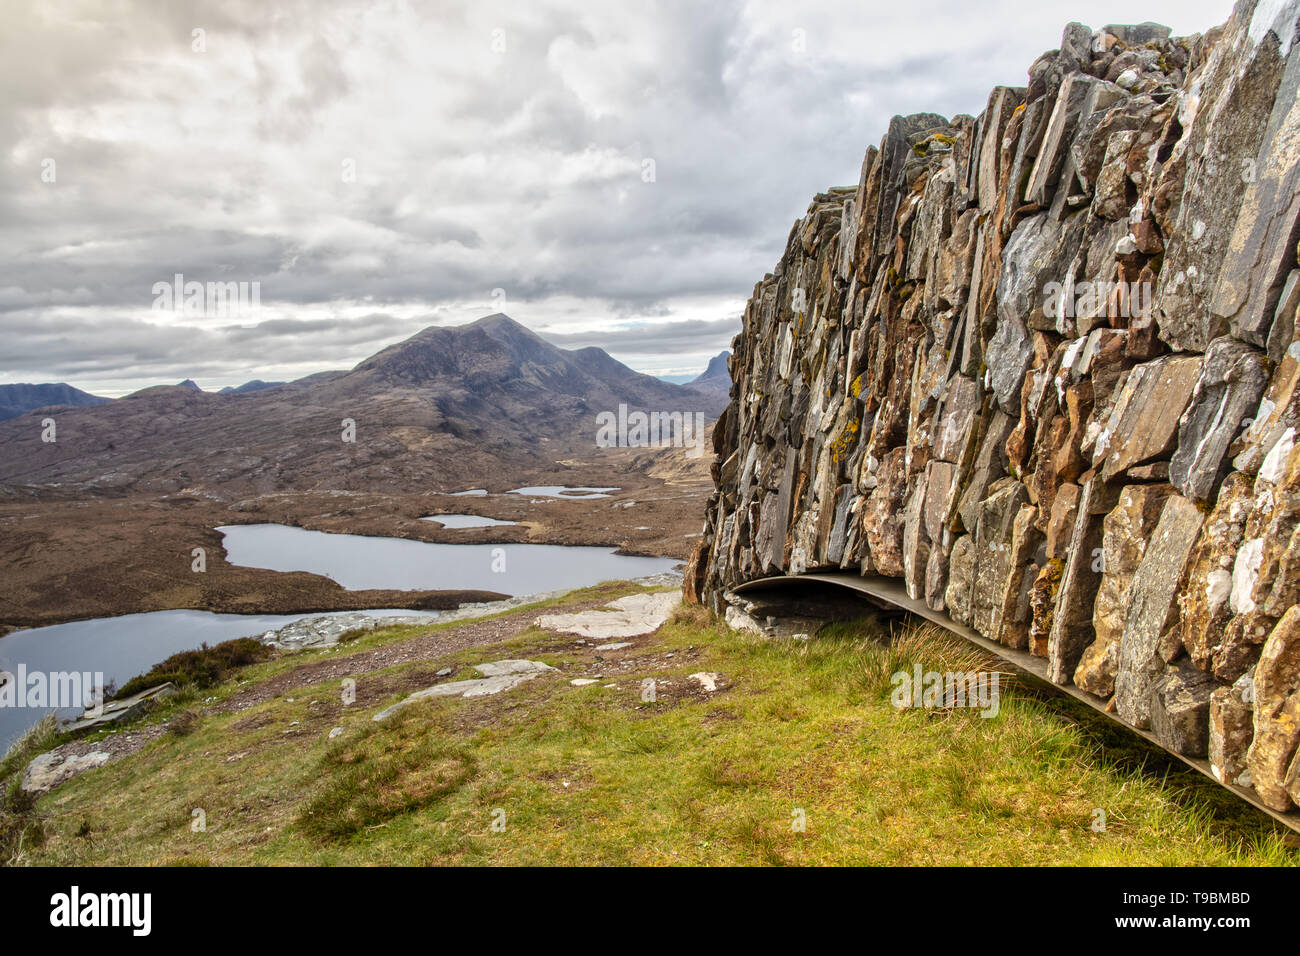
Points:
point(557, 774)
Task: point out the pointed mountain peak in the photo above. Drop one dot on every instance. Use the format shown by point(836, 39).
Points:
point(497, 320)
point(717, 368)
point(503, 328)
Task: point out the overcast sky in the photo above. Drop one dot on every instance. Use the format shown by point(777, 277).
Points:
point(380, 167)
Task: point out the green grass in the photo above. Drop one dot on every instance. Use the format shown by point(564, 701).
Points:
point(549, 773)
point(379, 774)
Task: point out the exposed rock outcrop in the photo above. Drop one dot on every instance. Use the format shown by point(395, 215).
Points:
point(1041, 364)
point(327, 630)
point(51, 769)
point(120, 711)
point(630, 616)
point(498, 676)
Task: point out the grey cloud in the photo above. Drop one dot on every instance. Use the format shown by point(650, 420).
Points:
point(94, 349)
point(670, 338)
point(475, 170)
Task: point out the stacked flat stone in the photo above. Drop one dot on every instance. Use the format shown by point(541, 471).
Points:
point(1041, 364)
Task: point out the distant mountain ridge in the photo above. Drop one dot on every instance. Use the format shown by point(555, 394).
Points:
point(256, 385)
point(19, 399)
point(449, 402)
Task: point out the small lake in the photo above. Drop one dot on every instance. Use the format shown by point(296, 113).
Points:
point(123, 647)
point(468, 521)
point(561, 491)
point(360, 562)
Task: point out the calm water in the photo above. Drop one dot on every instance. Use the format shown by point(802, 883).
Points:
point(561, 491)
point(467, 521)
point(123, 647)
point(359, 562)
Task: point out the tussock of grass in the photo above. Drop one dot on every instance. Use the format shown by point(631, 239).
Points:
point(382, 773)
point(200, 668)
point(927, 644)
point(20, 828)
point(184, 723)
point(37, 739)
point(692, 615)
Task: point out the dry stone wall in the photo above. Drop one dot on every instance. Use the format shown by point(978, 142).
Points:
point(1041, 364)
